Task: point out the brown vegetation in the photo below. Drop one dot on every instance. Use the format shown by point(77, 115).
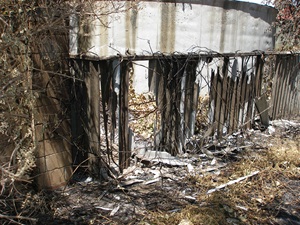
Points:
point(288, 23)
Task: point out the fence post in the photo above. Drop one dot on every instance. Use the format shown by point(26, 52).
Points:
point(124, 151)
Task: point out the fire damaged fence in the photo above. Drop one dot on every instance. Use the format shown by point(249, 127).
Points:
point(286, 87)
point(233, 92)
point(236, 88)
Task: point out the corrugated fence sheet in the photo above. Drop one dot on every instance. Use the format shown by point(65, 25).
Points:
point(237, 88)
point(286, 87)
point(233, 92)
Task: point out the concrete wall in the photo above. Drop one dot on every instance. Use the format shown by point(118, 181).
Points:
point(149, 27)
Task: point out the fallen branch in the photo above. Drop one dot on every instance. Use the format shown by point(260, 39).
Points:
point(231, 182)
point(17, 217)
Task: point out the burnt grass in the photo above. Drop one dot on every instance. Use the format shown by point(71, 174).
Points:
point(179, 196)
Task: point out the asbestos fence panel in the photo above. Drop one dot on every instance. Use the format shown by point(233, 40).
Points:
point(286, 86)
point(232, 96)
point(190, 98)
point(235, 87)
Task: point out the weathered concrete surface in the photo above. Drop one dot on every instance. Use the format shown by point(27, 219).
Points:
point(185, 26)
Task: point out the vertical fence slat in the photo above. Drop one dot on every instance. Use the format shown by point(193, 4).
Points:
point(248, 100)
point(275, 87)
point(105, 98)
point(227, 101)
point(287, 91)
point(124, 151)
point(165, 107)
point(292, 84)
point(77, 125)
point(114, 98)
point(281, 89)
point(218, 103)
point(243, 98)
point(223, 96)
point(190, 103)
point(213, 99)
point(238, 102)
point(285, 76)
point(232, 105)
point(258, 75)
point(178, 73)
point(157, 86)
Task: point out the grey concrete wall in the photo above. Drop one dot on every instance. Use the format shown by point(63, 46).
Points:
point(149, 27)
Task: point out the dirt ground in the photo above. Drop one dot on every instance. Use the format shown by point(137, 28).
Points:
point(247, 178)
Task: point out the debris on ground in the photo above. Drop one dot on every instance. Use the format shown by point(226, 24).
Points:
point(247, 178)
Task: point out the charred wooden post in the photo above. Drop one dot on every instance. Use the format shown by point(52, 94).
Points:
point(171, 90)
point(168, 74)
point(78, 92)
point(124, 150)
point(155, 74)
point(106, 93)
point(92, 127)
point(164, 103)
point(176, 138)
point(171, 106)
point(258, 75)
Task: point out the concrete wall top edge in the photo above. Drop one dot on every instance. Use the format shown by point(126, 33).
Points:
point(177, 26)
point(219, 3)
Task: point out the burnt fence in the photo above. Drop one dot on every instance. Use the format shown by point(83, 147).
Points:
point(238, 88)
point(285, 101)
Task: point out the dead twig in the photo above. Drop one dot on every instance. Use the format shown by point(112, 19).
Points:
point(17, 218)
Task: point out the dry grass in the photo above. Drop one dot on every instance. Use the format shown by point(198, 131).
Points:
point(256, 200)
